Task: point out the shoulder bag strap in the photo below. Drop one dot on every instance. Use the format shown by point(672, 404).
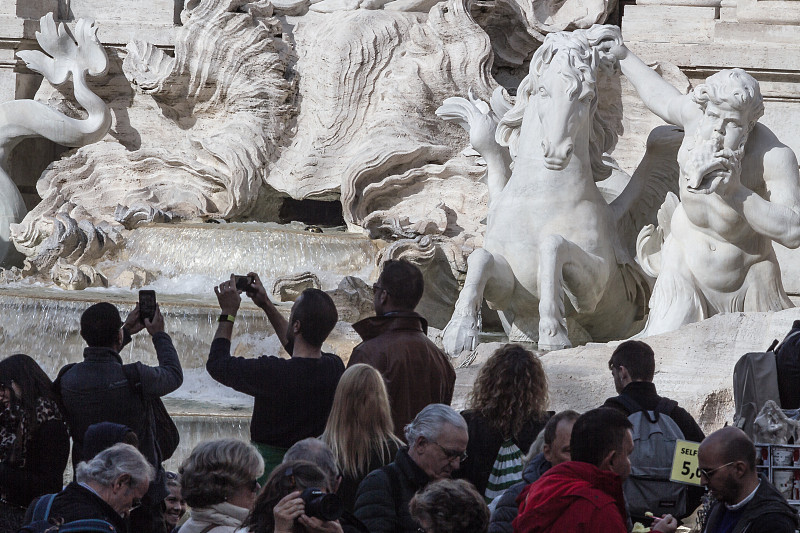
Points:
point(42, 509)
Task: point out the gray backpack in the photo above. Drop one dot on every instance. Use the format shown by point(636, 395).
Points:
point(648, 488)
point(755, 380)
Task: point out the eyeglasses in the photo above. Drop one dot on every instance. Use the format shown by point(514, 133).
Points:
point(135, 504)
point(451, 454)
point(708, 473)
point(171, 476)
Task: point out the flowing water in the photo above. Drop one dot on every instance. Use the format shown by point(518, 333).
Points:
point(44, 321)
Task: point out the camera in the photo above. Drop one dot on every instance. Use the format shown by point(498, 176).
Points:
point(243, 282)
point(327, 507)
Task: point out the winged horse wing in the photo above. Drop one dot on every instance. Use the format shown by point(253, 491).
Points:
point(638, 204)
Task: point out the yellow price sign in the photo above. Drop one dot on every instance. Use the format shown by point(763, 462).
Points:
point(684, 464)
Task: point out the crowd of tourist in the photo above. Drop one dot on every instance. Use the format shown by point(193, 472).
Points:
point(374, 447)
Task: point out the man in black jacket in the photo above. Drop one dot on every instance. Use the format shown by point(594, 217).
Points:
point(746, 502)
point(633, 366)
point(437, 440)
point(106, 488)
point(98, 390)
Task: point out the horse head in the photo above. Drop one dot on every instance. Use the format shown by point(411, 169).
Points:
point(562, 86)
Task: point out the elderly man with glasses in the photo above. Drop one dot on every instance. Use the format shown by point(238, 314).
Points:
point(437, 440)
point(745, 501)
point(107, 488)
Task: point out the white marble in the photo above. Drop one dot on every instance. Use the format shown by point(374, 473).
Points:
point(739, 191)
point(64, 56)
point(554, 246)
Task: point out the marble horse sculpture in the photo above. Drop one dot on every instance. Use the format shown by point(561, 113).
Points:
point(22, 119)
point(551, 248)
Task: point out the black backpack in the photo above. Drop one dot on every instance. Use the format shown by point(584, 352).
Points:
point(40, 523)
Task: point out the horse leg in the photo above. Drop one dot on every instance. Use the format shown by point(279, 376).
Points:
point(487, 275)
point(565, 267)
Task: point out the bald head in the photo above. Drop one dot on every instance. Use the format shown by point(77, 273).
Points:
point(730, 444)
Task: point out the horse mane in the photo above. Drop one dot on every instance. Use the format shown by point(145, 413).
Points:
point(585, 60)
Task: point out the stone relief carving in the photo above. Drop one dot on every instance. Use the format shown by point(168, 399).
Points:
point(64, 56)
point(554, 247)
point(194, 137)
point(333, 106)
point(739, 191)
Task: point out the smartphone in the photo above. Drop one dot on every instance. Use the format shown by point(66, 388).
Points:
point(147, 305)
point(243, 282)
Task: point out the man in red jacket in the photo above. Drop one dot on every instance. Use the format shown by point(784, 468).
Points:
point(585, 494)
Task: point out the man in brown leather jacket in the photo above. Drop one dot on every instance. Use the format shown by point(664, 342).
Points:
point(417, 373)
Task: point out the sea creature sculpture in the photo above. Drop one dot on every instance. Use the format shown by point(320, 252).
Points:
point(64, 55)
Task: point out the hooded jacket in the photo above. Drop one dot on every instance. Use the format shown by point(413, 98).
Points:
point(416, 372)
point(767, 512)
point(573, 497)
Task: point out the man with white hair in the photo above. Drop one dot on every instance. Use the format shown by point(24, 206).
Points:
point(106, 488)
point(739, 191)
point(437, 443)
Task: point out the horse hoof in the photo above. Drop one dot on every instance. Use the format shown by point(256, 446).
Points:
point(546, 347)
point(460, 334)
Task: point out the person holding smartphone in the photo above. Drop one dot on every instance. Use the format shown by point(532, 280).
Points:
point(98, 389)
point(293, 397)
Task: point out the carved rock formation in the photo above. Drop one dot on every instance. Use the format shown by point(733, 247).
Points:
point(288, 288)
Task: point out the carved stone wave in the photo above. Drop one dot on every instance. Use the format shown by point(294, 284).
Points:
point(195, 132)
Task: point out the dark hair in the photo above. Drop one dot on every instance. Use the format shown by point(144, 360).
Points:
point(739, 447)
point(317, 315)
point(552, 425)
point(511, 389)
point(596, 433)
point(404, 283)
point(104, 435)
point(451, 506)
point(33, 384)
point(100, 325)
point(285, 479)
point(637, 357)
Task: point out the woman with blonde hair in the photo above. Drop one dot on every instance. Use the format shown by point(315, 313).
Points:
point(508, 410)
point(360, 430)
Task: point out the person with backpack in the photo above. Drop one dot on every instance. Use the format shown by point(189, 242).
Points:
point(105, 490)
point(585, 494)
point(657, 423)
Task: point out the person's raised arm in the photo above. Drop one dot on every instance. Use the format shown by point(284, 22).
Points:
point(229, 302)
point(256, 292)
point(658, 95)
point(168, 375)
